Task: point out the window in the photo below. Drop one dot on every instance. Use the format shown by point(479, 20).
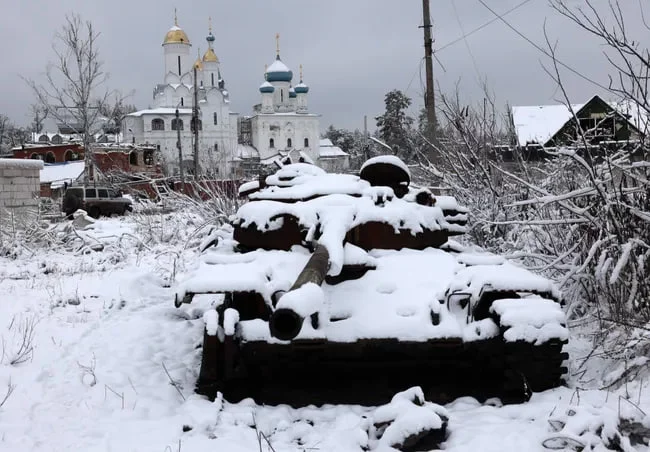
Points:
point(182, 102)
point(157, 124)
point(112, 194)
point(271, 143)
point(216, 147)
point(214, 118)
point(49, 157)
point(43, 139)
point(78, 192)
point(56, 139)
point(281, 95)
point(148, 157)
point(306, 142)
point(179, 65)
point(288, 142)
point(177, 124)
point(91, 193)
point(35, 156)
point(68, 155)
point(102, 193)
point(212, 77)
point(133, 158)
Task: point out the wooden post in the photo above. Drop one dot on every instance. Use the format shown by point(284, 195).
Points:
point(180, 152)
point(195, 120)
point(429, 97)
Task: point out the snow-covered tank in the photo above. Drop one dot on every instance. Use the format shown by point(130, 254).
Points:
point(341, 288)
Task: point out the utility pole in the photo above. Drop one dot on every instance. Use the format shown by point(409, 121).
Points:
point(195, 121)
point(180, 152)
point(366, 145)
point(429, 97)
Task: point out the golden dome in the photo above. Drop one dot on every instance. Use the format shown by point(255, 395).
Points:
point(198, 64)
point(210, 57)
point(176, 35)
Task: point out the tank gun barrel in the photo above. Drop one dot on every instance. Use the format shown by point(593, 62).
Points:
point(286, 321)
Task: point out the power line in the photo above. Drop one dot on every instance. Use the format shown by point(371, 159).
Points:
point(418, 69)
point(469, 50)
point(544, 51)
point(465, 36)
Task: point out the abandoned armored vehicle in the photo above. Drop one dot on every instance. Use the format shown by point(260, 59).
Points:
point(340, 288)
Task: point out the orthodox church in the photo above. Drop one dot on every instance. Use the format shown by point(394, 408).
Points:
point(280, 130)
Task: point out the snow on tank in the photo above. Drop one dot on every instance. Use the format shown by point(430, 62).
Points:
point(330, 283)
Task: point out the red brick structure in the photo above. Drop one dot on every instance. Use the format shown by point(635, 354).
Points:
point(50, 153)
point(127, 159)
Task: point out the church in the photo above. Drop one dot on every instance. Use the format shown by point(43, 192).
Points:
point(280, 130)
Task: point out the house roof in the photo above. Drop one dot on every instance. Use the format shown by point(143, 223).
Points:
point(57, 174)
point(326, 149)
point(540, 123)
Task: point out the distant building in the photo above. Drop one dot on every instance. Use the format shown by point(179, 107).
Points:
point(280, 129)
point(603, 123)
point(49, 152)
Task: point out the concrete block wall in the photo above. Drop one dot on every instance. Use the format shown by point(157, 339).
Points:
point(19, 183)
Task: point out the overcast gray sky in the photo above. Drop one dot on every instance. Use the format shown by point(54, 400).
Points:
point(353, 51)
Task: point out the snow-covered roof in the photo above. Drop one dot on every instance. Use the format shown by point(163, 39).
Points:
point(161, 111)
point(57, 174)
point(328, 150)
point(539, 123)
point(331, 151)
point(20, 164)
point(245, 151)
point(278, 66)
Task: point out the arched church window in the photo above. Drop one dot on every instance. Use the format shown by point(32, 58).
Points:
point(157, 124)
point(212, 77)
point(179, 65)
point(288, 142)
point(43, 139)
point(216, 147)
point(182, 102)
point(281, 95)
point(271, 143)
point(177, 124)
point(49, 157)
point(214, 118)
point(56, 139)
point(306, 142)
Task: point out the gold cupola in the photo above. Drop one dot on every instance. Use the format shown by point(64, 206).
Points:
point(210, 56)
point(198, 64)
point(176, 35)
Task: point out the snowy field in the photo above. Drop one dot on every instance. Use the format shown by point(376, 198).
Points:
point(95, 357)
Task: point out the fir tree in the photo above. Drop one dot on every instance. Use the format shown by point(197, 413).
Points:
point(395, 125)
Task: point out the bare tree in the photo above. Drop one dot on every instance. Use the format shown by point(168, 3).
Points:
point(5, 129)
point(115, 110)
point(629, 59)
point(39, 115)
point(73, 91)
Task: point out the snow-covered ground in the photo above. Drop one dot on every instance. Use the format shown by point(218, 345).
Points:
point(109, 364)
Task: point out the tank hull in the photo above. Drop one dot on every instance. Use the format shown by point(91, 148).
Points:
point(370, 372)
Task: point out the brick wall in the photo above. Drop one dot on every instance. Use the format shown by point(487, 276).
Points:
point(19, 183)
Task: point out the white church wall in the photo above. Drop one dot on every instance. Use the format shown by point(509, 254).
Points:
point(172, 52)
